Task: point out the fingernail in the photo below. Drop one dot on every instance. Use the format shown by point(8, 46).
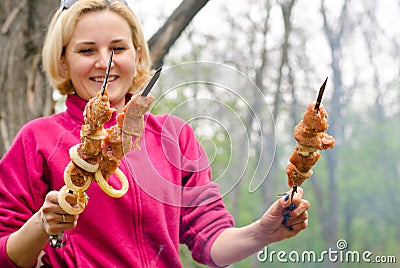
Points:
point(292, 207)
point(286, 215)
point(284, 222)
point(286, 197)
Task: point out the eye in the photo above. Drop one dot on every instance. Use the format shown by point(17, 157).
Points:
point(86, 51)
point(119, 49)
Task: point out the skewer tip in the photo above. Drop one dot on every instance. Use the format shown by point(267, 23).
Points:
point(103, 88)
point(320, 94)
point(151, 83)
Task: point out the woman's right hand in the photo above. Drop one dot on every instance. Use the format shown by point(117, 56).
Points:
point(24, 246)
point(55, 219)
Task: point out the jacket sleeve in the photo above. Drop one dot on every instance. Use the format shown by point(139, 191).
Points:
point(22, 188)
point(204, 216)
point(4, 260)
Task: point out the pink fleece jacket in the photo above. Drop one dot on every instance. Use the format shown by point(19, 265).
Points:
point(171, 198)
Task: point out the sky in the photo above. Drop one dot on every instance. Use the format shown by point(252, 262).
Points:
point(211, 20)
point(150, 14)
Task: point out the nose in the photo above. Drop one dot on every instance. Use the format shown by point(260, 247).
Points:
point(103, 59)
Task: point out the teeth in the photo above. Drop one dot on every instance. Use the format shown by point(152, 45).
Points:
point(101, 79)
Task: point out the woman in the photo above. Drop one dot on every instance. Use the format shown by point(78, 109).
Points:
point(138, 229)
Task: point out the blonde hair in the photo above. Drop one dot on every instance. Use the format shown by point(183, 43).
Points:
point(61, 29)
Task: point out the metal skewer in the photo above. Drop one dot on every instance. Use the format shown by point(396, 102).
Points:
point(294, 190)
point(103, 88)
point(151, 83)
point(320, 94)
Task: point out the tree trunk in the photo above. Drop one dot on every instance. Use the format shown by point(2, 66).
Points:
point(23, 90)
point(286, 8)
point(335, 38)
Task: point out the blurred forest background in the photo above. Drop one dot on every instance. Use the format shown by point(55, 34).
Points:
point(286, 48)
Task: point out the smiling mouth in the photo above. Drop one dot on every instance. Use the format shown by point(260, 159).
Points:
point(101, 79)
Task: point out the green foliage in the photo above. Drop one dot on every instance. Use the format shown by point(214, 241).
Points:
point(368, 174)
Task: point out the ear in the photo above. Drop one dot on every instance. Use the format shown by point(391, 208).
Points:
point(137, 56)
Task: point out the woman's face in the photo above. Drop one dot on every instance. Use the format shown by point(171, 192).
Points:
point(88, 52)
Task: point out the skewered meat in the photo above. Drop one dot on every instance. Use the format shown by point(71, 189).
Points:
point(316, 120)
point(311, 137)
point(304, 163)
point(98, 155)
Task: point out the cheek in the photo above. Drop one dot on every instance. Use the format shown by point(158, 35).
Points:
point(128, 67)
point(127, 70)
point(79, 69)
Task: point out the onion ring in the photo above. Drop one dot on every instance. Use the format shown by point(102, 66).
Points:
point(70, 184)
point(108, 189)
point(82, 201)
point(131, 133)
point(305, 150)
point(79, 161)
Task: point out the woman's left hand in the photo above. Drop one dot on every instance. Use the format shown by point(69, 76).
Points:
point(284, 219)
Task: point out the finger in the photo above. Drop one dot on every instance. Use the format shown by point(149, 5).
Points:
point(280, 207)
point(285, 201)
point(301, 218)
point(51, 202)
point(52, 197)
point(55, 223)
point(293, 230)
point(67, 218)
point(298, 195)
point(300, 208)
point(52, 216)
point(299, 226)
point(49, 207)
point(292, 214)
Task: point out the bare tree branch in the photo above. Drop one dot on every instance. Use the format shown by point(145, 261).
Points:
point(161, 42)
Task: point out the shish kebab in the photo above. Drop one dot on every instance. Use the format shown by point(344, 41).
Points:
point(98, 155)
point(310, 137)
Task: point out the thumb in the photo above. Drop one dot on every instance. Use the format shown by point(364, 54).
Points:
point(285, 201)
